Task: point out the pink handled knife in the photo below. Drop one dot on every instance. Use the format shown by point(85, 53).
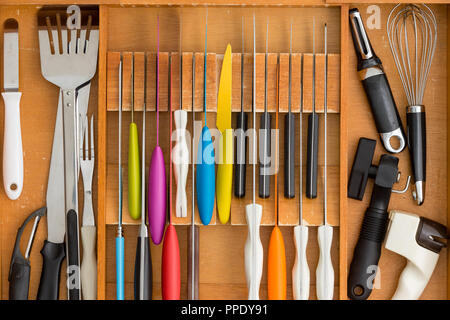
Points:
point(157, 187)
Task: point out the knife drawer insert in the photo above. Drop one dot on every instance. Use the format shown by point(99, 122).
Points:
point(127, 28)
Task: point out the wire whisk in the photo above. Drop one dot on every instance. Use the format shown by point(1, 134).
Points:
point(412, 55)
point(412, 33)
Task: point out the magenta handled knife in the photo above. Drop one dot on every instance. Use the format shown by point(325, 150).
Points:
point(157, 187)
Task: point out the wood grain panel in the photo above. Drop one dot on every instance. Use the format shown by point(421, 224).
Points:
point(214, 65)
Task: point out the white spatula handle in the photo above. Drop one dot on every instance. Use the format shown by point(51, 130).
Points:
point(12, 146)
point(325, 271)
point(300, 271)
point(253, 251)
point(181, 162)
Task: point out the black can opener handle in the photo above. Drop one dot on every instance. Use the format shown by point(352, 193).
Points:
point(376, 86)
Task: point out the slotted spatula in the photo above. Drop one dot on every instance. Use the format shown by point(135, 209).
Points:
point(69, 67)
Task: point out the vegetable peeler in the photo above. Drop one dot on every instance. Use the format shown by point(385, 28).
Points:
point(19, 269)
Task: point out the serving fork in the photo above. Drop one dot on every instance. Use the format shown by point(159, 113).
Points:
point(88, 229)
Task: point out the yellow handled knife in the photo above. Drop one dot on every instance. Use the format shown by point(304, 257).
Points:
point(225, 170)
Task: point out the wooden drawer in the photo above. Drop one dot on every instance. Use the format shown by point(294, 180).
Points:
point(130, 26)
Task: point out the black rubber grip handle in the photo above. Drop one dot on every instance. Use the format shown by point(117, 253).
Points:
point(19, 268)
point(289, 155)
point(312, 155)
point(19, 280)
point(264, 155)
point(53, 254)
point(366, 255)
point(382, 103)
point(241, 155)
point(148, 278)
point(73, 256)
point(417, 144)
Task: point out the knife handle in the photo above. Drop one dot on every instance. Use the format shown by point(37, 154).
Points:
point(300, 270)
point(73, 256)
point(193, 262)
point(134, 176)
point(241, 155)
point(265, 154)
point(147, 272)
point(276, 266)
point(312, 148)
point(205, 177)
point(89, 263)
point(120, 268)
point(170, 265)
point(53, 255)
point(289, 158)
point(12, 146)
point(253, 250)
point(180, 161)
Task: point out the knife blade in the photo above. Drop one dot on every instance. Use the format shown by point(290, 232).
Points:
point(54, 248)
point(12, 146)
point(223, 123)
point(11, 56)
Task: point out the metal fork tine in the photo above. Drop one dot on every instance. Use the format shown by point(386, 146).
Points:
point(82, 41)
point(92, 138)
point(88, 32)
point(64, 40)
point(81, 137)
point(55, 41)
point(78, 40)
point(61, 42)
point(73, 40)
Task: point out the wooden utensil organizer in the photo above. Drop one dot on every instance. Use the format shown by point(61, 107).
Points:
point(130, 26)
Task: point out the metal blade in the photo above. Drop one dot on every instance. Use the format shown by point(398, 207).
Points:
point(56, 218)
point(223, 121)
point(56, 223)
point(11, 55)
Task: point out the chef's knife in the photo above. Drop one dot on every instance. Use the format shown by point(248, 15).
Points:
point(223, 123)
point(54, 249)
point(12, 145)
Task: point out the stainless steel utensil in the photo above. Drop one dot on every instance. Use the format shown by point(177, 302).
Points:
point(69, 68)
point(88, 228)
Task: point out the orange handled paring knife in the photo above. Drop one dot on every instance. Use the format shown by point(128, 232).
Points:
point(276, 269)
